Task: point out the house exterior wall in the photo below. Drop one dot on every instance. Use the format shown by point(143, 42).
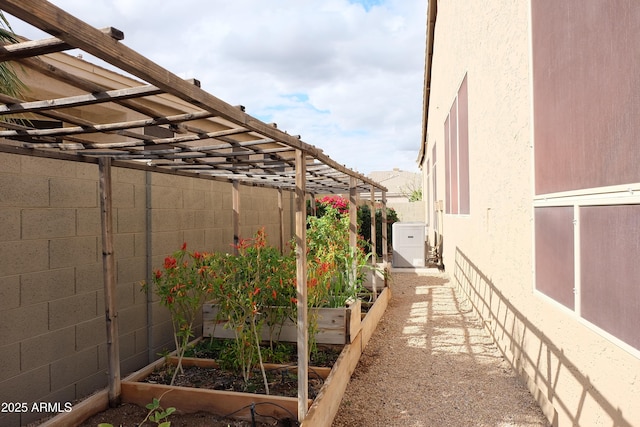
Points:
point(579, 375)
point(52, 311)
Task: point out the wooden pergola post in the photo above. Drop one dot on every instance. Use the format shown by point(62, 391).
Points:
point(301, 285)
point(235, 202)
point(281, 219)
point(374, 254)
point(385, 251)
point(353, 224)
point(108, 267)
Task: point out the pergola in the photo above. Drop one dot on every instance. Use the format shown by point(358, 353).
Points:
point(233, 147)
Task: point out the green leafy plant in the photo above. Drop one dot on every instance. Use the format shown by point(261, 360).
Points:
point(336, 266)
point(157, 414)
point(10, 84)
point(257, 288)
point(183, 285)
point(364, 227)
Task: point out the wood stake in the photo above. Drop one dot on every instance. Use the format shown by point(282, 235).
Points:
point(373, 243)
point(385, 254)
point(353, 225)
point(301, 285)
point(108, 263)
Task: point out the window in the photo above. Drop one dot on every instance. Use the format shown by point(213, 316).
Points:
point(456, 152)
point(587, 180)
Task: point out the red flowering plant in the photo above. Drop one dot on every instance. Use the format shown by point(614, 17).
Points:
point(338, 267)
point(339, 203)
point(183, 284)
point(256, 290)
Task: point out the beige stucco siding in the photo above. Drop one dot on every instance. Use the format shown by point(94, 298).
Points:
point(580, 376)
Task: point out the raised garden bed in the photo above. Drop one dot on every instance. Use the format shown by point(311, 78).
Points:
point(322, 409)
point(335, 325)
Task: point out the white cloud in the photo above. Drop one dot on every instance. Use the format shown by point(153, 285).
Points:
point(345, 74)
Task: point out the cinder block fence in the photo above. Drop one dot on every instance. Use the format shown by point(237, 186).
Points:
point(52, 317)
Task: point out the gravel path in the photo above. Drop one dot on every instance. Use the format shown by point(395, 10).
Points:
point(430, 363)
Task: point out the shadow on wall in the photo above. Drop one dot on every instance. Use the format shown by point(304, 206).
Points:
point(508, 327)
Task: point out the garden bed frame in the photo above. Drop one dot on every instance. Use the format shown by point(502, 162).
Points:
point(335, 325)
point(322, 409)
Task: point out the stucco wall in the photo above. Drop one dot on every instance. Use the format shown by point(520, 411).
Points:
point(407, 211)
point(52, 324)
point(579, 376)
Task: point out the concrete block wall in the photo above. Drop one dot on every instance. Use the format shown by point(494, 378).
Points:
point(50, 282)
point(200, 213)
point(408, 211)
point(52, 329)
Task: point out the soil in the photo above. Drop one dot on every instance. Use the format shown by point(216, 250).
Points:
point(281, 383)
point(128, 415)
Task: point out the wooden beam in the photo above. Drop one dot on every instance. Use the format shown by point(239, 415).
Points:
point(108, 126)
point(58, 74)
point(190, 400)
point(81, 411)
point(79, 100)
point(108, 263)
point(12, 52)
point(29, 48)
point(301, 285)
point(57, 22)
point(68, 118)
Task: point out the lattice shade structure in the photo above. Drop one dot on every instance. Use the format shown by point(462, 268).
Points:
point(157, 122)
point(207, 137)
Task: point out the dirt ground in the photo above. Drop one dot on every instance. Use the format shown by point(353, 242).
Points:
point(430, 363)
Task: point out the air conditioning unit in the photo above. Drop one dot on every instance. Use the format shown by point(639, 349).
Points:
point(408, 241)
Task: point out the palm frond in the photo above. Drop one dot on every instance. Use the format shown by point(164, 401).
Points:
point(10, 84)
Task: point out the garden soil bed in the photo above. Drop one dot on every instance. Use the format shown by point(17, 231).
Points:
point(321, 411)
point(205, 372)
point(130, 415)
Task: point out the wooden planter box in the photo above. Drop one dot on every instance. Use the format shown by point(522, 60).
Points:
point(322, 409)
point(189, 399)
point(335, 325)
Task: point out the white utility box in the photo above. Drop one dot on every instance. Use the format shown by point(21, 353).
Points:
point(408, 241)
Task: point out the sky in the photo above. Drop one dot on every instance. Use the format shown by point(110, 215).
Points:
point(346, 75)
